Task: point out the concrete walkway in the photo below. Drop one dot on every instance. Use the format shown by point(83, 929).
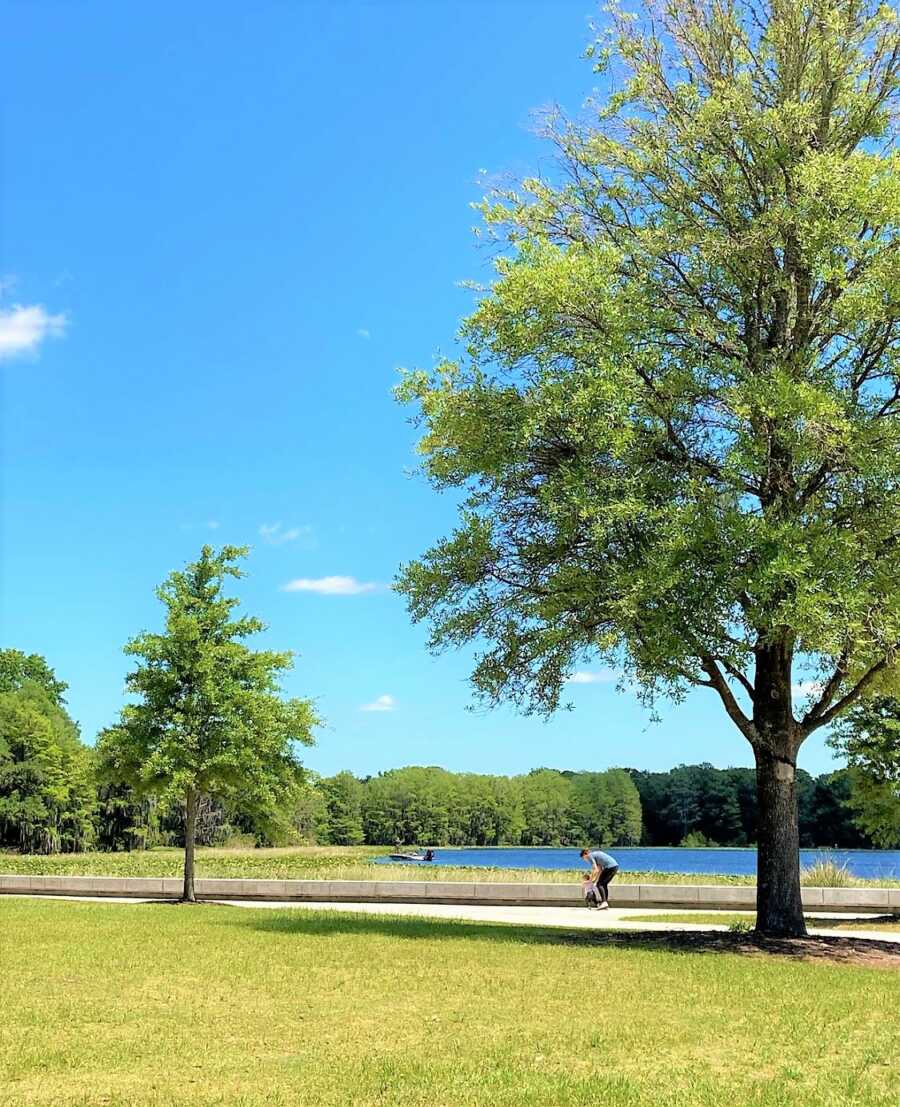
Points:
point(616, 918)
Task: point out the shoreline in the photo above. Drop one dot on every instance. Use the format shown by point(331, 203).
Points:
point(342, 863)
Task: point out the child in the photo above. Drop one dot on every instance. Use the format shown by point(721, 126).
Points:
point(589, 891)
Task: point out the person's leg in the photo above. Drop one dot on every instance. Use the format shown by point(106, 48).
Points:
point(603, 882)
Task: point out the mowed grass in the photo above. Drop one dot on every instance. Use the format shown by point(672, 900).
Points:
point(323, 863)
point(890, 924)
point(150, 1005)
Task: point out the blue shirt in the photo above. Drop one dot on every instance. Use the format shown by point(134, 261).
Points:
point(602, 860)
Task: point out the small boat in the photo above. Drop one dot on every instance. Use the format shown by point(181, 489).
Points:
point(428, 855)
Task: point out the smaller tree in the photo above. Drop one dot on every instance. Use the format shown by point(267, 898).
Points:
point(308, 813)
point(46, 784)
point(209, 720)
point(546, 807)
point(870, 738)
point(624, 808)
point(343, 797)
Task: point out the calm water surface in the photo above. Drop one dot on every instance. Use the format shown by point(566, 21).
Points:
point(872, 864)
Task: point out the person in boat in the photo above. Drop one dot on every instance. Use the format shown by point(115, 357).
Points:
point(429, 855)
point(603, 868)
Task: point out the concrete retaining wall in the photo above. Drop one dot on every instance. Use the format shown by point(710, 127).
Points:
point(690, 896)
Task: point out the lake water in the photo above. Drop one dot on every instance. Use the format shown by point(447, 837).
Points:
point(872, 864)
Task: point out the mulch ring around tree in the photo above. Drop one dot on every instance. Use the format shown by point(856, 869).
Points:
point(864, 952)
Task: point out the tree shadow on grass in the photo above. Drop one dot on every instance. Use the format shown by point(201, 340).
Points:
point(842, 950)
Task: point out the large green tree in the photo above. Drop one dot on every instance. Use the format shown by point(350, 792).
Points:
point(209, 719)
point(678, 412)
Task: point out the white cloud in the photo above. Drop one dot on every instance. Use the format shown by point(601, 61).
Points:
point(24, 328)
point(601, 676)
point(363, 333)
point(330, 586)
point(382, 703)
point(275, 536)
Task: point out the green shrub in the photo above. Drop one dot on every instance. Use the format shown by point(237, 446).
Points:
point(741, 926)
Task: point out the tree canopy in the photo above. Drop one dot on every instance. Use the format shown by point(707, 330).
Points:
point(18, 668)
point(546, 807)
point(677, 417)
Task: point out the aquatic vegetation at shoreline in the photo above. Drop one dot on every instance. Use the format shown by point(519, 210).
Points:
point(358, 863)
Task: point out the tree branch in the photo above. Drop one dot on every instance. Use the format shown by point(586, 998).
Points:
point(732, 708)
point(734, 671)
point(809, 725)
point(831, 686)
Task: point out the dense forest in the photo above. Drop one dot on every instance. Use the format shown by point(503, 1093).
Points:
point(431, 805)
point(690, 805)
point(54, 797)
point(702, 805)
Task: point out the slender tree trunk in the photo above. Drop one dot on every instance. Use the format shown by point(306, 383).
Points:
point(191, 803)
point(779, 908)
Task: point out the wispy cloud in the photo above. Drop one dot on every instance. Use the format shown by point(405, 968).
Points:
point(275, 535)
point(24, 327)
point(363, 333)
point(382, 703)
point(600, 676)
point(330, 586)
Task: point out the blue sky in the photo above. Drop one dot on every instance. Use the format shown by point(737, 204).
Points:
point(224, 227)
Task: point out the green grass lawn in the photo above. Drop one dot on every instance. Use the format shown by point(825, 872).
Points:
point(161, 1006)
point(319, 863)
point(887, 923)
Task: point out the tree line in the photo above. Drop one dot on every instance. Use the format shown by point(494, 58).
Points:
point(57, 795)
point(703, 806)
point(430, 805)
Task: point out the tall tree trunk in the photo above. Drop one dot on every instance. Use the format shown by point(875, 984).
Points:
point(779, 908)
point(191, 803)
